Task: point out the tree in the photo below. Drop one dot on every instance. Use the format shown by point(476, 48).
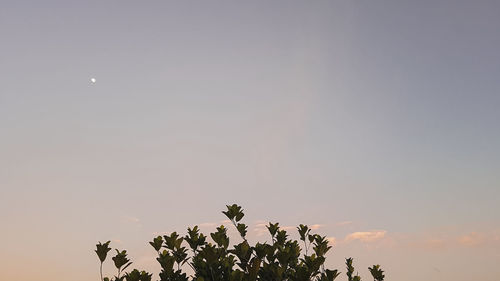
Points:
point(281, 260)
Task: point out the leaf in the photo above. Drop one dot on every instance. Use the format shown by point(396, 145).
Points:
point(102, 250)
point(242, 229)
point(377, 272)
point(127, 265)
point(157, 243)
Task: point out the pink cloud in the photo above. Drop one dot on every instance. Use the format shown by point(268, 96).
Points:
point(434, 244)
point(343, 223)
point(316, 226)
point(366, 236)
point(435, 241)
point(207, 224)
point(132, 221)
point(260, 228)
point(160, 233)
point(332, 240)
point(471, 239)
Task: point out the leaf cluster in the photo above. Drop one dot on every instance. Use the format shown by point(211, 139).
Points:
point(282, 259)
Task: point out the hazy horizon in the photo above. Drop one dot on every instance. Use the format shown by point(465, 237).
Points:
point(375, 121)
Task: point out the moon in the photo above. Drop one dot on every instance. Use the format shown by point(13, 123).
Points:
point(92, 80)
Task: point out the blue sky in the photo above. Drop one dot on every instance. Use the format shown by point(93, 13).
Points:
point(376, 120)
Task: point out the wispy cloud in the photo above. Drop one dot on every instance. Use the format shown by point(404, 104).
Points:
point(426, 241)
point(332, 240)
point(259, 228)
point(316, 226)
point(160, 233)
point(433, 243)
point(474, 239)
point(132, 220)
point(344, 223)
point(207, 224)
point(366, 236)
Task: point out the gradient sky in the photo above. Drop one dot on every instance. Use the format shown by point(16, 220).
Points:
point(376, 121)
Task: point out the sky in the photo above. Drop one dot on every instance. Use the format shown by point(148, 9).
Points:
point(376, 122)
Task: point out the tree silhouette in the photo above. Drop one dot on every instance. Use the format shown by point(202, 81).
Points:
point(281, 260)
